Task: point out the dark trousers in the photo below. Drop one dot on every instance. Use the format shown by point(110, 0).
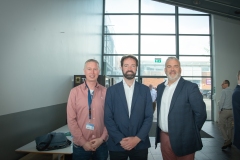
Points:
point(133, 155)
point(80, 154)
point(154, 106)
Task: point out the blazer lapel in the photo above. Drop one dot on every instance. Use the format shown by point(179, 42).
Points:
point(135, 95)
point(123, 96)
point(160, 92)
point(176, 92)
point(159, 98)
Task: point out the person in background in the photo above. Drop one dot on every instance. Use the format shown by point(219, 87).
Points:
point(128, 115)
point(236, 112)
point(85, 109)
point(154, 96)
point(181, 114)
point(226, 114)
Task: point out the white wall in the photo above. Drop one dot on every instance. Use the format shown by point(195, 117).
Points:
point(43, 43)
point(226, 57)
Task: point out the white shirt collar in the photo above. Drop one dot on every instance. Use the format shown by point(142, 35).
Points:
point(125, 84)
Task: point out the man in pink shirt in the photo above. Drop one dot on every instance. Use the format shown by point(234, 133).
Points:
point(85, 116)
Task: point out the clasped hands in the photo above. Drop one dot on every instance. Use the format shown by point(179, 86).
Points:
point(129, 143)
point(93, 144)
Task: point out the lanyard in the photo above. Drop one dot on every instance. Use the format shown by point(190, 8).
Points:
point(90, 96)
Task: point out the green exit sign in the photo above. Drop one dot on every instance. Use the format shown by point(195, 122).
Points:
point(157, 60)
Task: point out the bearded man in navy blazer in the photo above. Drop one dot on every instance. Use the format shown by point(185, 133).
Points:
point(181, 114)
point(128, 115)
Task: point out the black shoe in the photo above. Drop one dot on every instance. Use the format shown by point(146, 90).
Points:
point(226, 145)
point(230, 145)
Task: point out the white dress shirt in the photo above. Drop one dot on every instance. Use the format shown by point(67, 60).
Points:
point(129, 94)
point(165, 104)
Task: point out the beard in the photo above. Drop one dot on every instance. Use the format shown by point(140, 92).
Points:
point(174, 77)
point(129, 76)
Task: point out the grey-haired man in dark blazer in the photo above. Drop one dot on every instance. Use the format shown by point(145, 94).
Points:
point(181, 115)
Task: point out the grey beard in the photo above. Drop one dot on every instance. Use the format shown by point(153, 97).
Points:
point(173, 78)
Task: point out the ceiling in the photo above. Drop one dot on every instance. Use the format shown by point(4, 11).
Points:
point(226, 8)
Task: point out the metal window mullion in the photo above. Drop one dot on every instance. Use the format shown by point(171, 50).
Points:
point(177, 31)
point(139, 40)
point(103, 35)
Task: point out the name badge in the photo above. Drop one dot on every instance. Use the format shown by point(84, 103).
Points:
point(90, 126)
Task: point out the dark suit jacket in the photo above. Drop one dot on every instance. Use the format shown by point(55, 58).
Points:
point(236, 116)
point(186, 117)
point(116, 116)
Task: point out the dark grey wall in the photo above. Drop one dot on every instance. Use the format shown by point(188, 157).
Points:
point(42, 45)
point(20, 128)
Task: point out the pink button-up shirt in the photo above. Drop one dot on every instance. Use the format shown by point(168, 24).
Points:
point(78, 114)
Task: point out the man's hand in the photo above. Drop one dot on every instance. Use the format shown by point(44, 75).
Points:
point(130, 142)
point(124, 143)
point(88, 147)
point(96, 142)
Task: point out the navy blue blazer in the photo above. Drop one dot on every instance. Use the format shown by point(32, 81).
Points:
point(116, 116)
point(186, 117)
point(236, 116)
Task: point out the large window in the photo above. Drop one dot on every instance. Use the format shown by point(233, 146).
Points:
point(153, 31)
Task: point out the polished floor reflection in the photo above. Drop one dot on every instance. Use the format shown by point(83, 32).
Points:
point(211, 147)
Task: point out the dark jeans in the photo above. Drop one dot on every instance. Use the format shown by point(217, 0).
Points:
point(133, 155)
point(80, 154)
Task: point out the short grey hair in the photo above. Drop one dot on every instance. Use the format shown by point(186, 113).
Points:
point(91, 60)
point(172, 58)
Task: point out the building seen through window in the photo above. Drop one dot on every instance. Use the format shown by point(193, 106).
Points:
point(153, 31)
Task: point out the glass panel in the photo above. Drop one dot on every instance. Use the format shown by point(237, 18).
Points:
point(117, 80)
point(158, 24)
point(149, 6)
point(120, 44)
point(189, 11)
point(195, 66)
point(121, 6)
point(155, 82)
point(193, 25)
point(158, 45)
point(112, 65)
point(121, 24)
point(153, 65)
point(194, 45)
point(205, 88)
